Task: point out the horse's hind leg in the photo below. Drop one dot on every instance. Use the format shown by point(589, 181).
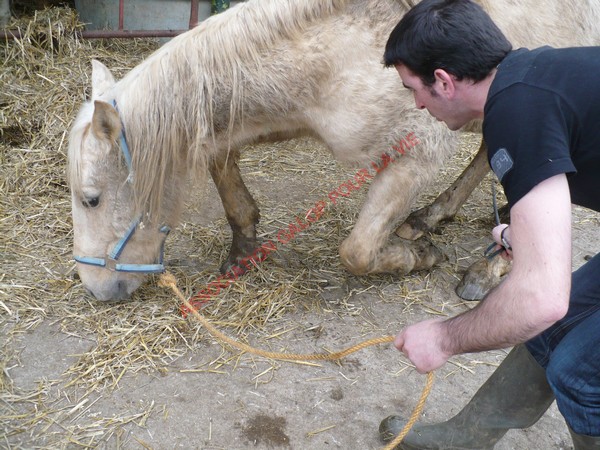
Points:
point(449, 202)
point(240, 208)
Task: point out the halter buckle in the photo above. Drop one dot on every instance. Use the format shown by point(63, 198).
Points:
point(110, 264)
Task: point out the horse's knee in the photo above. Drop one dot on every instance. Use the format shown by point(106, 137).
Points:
point(357, 262)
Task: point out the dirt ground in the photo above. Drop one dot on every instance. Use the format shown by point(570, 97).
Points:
point(77, 373)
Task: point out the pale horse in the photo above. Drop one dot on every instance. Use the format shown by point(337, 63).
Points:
point(268, 70)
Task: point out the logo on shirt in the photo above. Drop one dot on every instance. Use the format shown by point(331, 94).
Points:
point(501, 163)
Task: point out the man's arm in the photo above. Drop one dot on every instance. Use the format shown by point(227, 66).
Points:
point(532, 297)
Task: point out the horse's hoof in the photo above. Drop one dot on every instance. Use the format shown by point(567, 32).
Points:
point(481, 278)
point(409, 232)
point(427, 255)
point(233, 267)
point(414, 226)
point(471, 291)
point(239, 265)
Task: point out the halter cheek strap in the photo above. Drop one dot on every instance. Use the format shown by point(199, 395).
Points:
point(111, 260)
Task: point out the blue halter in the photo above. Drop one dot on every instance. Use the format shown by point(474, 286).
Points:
point(111, 260)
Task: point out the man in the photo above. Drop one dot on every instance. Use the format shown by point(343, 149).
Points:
point(541, 123)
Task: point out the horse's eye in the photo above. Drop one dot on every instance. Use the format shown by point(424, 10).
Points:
point(91, 202)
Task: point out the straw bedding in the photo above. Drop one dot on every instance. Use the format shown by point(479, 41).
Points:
point(44, 77)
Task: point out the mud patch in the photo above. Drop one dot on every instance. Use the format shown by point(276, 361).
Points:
point(266, 429)
point(337, 394)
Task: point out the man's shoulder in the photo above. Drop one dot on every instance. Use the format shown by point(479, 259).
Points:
point(515, 68)
point(543, 68)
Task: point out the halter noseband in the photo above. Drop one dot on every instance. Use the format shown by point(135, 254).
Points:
point(111, 260)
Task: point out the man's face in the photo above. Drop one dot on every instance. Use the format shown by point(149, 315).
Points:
point(438, 99)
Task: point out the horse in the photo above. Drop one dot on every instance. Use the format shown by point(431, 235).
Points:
point(267, 70)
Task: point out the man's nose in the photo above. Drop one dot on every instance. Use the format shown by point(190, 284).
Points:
point(418, 104)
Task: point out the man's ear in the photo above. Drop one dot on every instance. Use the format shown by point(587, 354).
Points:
point(105, 121)
point(102, 79)
point(446, 82)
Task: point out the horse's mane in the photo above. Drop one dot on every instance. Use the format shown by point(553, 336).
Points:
point(174, 104)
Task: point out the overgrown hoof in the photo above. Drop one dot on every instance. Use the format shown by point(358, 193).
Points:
point(240, 260)
point(415, 226)
point(471, 290)
point(233, 267)
point(427, 255)
point(481, 278)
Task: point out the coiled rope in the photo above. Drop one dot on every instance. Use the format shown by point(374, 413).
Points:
point(168, 280)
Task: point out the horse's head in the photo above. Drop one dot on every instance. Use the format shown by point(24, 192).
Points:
point(113, 245)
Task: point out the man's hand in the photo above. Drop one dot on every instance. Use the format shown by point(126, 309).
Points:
point(421, 344)
point(498, 233)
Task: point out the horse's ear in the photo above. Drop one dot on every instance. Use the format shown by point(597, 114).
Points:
point(105, 121)
point(102, 79)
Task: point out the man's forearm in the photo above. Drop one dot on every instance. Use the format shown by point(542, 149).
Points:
point(509, 315)
point(534, 295)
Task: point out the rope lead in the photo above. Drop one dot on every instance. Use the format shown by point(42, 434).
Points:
point(168, 280)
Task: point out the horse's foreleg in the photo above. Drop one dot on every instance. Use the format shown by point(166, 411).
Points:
point(449, 202)
point(240, 209)
point(368, 248)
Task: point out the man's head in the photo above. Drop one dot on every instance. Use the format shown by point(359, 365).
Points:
point(442, 50)
point(457, 36)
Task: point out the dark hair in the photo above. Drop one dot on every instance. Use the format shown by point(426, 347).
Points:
point(457, 36)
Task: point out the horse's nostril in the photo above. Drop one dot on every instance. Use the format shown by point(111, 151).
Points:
point(122, 293)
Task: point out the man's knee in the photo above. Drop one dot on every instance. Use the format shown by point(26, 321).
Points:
point(567, 370)
point(576, 392)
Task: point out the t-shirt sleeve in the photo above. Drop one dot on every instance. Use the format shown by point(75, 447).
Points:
point(526, 130)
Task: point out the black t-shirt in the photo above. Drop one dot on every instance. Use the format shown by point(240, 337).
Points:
point(542, 118)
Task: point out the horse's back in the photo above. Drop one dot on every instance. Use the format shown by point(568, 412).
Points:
point(559, 23)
